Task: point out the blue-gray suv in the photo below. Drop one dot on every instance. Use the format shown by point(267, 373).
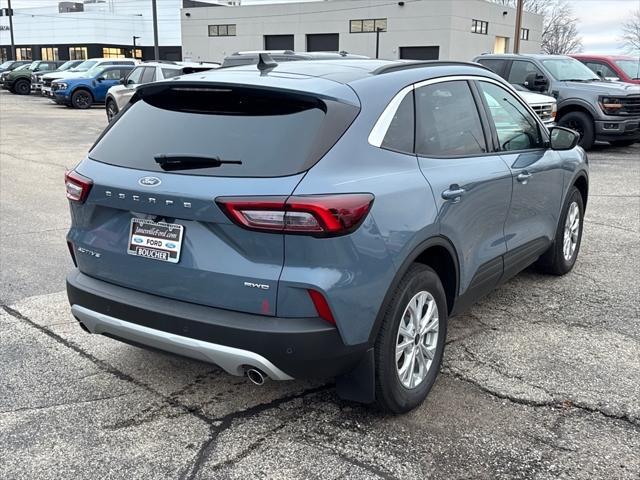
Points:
point(318, 219)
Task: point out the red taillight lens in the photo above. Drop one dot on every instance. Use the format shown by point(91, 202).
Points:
point(77, 186)
point(319, 215)
point(322, 307)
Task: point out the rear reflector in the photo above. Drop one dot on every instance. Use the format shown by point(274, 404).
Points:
point(77, 186)
point(322, 307)
point(73, 254)
point(317, 215)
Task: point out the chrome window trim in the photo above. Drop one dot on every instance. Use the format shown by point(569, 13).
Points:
point(380, 128)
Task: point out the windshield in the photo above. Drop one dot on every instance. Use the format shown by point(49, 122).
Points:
point(66, 65)
point(564, 69)
point(630, 67)
point(33, 66)
point(93, 72)
point(84, 66)
point(22, 67)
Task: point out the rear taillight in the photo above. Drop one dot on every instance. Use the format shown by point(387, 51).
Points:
point(322, 307)
point(77, 186)
point(318, 215)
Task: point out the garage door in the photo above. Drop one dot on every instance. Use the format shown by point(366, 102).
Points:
point(420, 53)
point(323, 42)
point(278, 42)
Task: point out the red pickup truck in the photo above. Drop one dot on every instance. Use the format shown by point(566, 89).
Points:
point(613, 67)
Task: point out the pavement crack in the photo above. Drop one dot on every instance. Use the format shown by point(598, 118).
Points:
point(554, 403)
point(64, 404)
point(224, 423)
point(611, 226)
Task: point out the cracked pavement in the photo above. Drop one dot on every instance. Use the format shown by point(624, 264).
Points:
point(540, 379)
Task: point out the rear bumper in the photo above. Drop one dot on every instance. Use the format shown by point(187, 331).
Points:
point(284, 348)
point(624, 129)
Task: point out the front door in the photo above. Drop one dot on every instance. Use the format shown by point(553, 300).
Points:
point(537, 177)
point(471, 185)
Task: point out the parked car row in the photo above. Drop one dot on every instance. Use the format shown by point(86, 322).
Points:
point(593, 95)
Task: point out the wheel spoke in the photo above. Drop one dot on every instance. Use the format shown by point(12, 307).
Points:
point(427, 352)
point(430, 327)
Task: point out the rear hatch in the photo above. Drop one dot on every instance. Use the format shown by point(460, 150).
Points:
point(276, 134)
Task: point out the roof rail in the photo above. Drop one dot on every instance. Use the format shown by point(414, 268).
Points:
point(395, 67)
point(168, 62)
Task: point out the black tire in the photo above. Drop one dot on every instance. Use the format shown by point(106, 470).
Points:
point(112, 109)
point(553, 261)
point(81, 99)
point(583, 124)
point(391, 394)
point(622, 143)
point(22, 87)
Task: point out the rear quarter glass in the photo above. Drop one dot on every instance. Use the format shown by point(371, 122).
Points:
point(273, 133)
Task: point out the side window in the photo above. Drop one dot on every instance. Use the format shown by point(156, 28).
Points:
point(604, 70)
point(399, 136)
point(171, 72)
point(517, 129)
point(112, 74)
point(520, 70)
point(497, 66)
point(149, 75)
point(447, 121)
point(135, 75)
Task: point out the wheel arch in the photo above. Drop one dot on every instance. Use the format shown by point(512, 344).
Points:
point(575, 106)
point(436, 252)
point(581, 182)
point(82, 87)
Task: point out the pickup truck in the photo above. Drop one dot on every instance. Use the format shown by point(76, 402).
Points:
point(598, 110)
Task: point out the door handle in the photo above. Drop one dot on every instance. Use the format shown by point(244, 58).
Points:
point(523, 177)
point(453, 193)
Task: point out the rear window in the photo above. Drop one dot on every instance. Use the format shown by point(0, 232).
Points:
point(271, 133)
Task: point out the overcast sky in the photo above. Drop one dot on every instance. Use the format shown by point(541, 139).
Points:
point(599, 25)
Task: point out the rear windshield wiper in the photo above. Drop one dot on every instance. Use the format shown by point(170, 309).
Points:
point(176, 161)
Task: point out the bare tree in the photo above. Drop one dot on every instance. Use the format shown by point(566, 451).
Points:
point(560, 30)
point(560, 27)
point(631, 32)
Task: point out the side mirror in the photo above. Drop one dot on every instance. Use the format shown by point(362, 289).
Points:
point(536, 82)
point(563, 138)
point(600, 74)
point(100, 79)
point(123, 81)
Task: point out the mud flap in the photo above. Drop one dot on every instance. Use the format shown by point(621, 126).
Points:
point(359, 385)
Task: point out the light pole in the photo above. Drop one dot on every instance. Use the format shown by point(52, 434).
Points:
point(378, 30)
point(133, 52)
point(156, 49)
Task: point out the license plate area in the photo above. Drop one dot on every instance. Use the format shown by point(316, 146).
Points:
point(155, 240)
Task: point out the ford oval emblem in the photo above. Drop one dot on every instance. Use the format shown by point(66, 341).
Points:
point(149, 181)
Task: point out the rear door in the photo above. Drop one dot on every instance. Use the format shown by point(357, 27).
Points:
point(276, 135)
point(472, 186)
point(537, 173)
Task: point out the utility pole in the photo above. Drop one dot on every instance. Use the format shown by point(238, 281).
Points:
point(516, 37)
point(156, 49)
point(13, 43)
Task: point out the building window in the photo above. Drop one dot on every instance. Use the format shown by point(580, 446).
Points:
point(479, 26)
point(113, 53)
point(222, 30)
point(77, 53)
point(3, 55)
point(24, 54)
point(137, 54)
point(49, 53)
point(368, 25)
point(524, 34)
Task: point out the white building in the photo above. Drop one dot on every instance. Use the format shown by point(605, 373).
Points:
point(94, 28)
point(417, 29)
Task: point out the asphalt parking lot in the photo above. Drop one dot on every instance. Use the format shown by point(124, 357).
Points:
point(541, 379)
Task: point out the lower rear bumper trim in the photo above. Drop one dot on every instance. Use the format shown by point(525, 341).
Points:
point(233, 360)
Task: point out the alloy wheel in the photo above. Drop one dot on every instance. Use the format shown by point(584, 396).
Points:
point(417, 339)
point(571, 231)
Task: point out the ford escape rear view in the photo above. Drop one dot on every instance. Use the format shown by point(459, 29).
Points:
point(318, 219)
